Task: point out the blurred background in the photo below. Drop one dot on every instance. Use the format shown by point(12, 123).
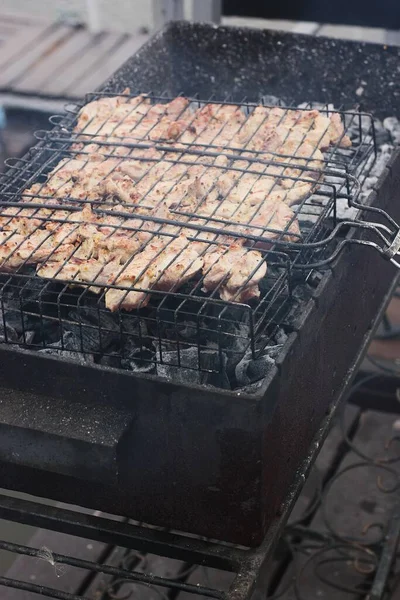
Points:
point(141, 15)
point(52, 51)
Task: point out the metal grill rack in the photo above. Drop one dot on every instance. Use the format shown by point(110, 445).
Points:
point(186, 327)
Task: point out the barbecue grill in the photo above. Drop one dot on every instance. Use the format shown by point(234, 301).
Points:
point(186, 330)
point(131, 413)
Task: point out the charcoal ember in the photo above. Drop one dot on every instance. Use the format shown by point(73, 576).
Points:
point(132, 324)
point(17, 326)
point(137, 359)
point(249, 370)
point(271, 100)
point(280, 338)
point(354, 123)
point(392, 125)
point(187, 367)
point(68, 347)
point(231, 333)
point(8, 333)
point(382, 135)
point(24, 290)
point(112, 360)
point(34, 290)
point(384, 153)
point(187, 331)
point(90, 339)
point(29, 337)
point(19, 321)
point(96, 330)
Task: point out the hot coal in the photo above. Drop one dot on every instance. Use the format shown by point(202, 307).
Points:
point(96, 329)
point(8, 333)
point(138, 359)
point(183, 367)
point(68, 347)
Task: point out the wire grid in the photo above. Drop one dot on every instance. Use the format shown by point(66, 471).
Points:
point(126, 574)
point(187, 318)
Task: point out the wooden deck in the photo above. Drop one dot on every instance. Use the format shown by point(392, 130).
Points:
point(57, 60)
point(60, 61)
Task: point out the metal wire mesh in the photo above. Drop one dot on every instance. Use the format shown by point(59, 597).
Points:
point(176, 316)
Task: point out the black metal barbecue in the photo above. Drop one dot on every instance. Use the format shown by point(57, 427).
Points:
point(133, 413)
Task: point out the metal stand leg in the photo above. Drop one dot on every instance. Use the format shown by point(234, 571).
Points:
point(173, 10)
point(167, 10)
point(207, 10)
point(379, 587)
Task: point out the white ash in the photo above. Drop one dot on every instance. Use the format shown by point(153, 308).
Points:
point(69, 348)
point(387, 135)
point(392, 125)
point(281, 337)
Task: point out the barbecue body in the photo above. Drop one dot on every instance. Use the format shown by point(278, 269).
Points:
point(191, 457)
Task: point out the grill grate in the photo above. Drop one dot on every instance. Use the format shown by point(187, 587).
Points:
point(185, 328)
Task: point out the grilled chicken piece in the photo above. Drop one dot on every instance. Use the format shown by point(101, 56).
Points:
point(104, 107)
point(163, 265)
point(234, 272)
point(268, 128)
point(336, 132)
point(97, 259)
point(156, 194)
point(65, 270)
point(257, 215)
point(78, 271)
point(270, 220)
point(18, 250)
point(134, 117)
point(215, 124)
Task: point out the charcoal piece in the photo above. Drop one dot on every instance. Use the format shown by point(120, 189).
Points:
point(88, 337)
point(8, 333)
point(392, 125)
point(69, 348)
point(252, 388)
point(382, 136)
point(280, 338)
point(270, 100)
point(187, 330)
point(137, 359)
point(95, 329)
point(230, 332)
point(23, 290)
point(189, 370)
point(132, 324)
point(33, 290)
point(111, 360)
point(19, 320)
point(94, 315)
point(249, 370)
point(28, 338)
